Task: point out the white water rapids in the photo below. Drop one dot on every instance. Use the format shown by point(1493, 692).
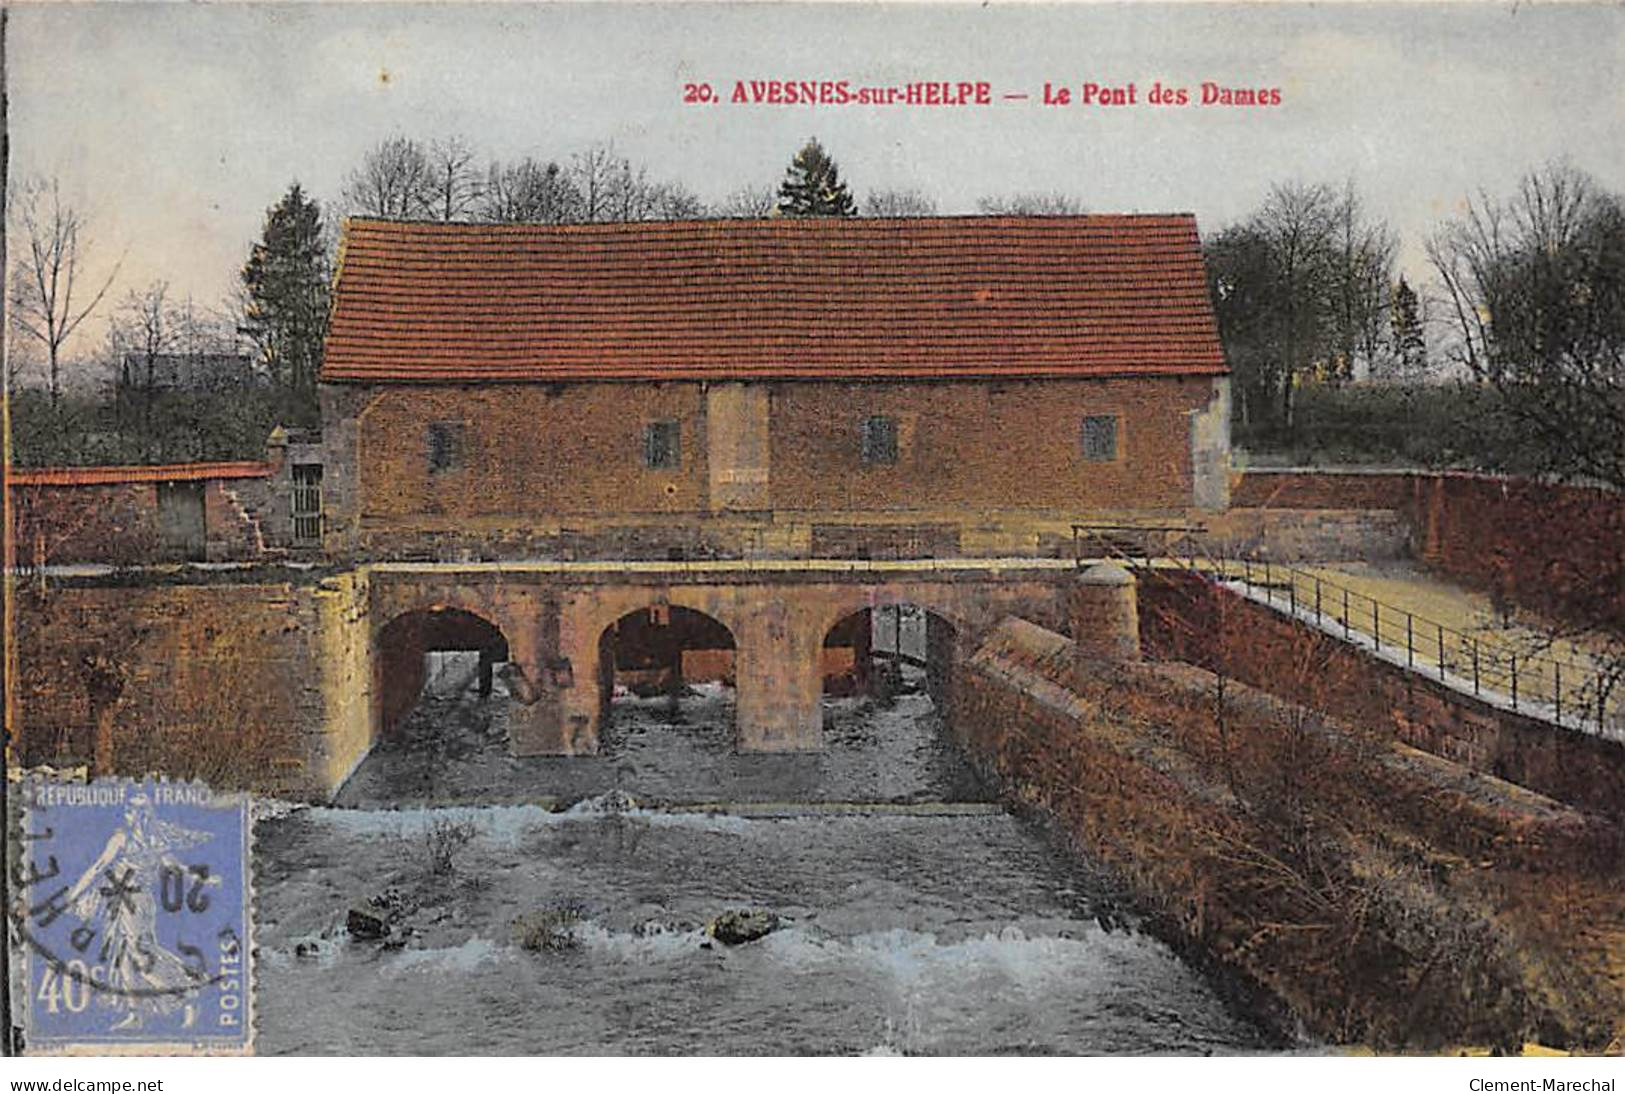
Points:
point(900, 932)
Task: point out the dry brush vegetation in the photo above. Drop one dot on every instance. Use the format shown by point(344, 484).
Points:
point(1380, 895)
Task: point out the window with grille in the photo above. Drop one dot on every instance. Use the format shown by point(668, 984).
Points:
point(307, 502)
point(662, 445)
point(879, 440)
point(1100, 438)
point(445, 446)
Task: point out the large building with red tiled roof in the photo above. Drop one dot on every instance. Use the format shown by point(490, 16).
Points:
point(775, 385)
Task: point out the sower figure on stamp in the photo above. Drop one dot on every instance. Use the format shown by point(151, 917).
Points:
point(143, 977)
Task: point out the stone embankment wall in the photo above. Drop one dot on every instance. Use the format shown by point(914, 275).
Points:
point(1186, 618)
point(1361, 884)
point(1350, 534)
point(1554, 549)
point(263, 685)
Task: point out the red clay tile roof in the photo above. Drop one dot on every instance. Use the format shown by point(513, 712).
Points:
point(735, 299)
point(105, 475)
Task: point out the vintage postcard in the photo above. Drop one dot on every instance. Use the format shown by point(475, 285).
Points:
point(713, 529)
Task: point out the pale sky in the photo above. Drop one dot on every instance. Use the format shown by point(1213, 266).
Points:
point(176, 126)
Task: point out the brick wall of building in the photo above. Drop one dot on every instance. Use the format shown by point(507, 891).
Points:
point(528, 450)
point(985, 445)
point(534, 454)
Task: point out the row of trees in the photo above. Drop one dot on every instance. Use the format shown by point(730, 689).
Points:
point(1528, 310)
point(1528, 301)
point(279, 311)
point(172, 379)
point(1305, 287)
point(402, 177)
point(1533, 287)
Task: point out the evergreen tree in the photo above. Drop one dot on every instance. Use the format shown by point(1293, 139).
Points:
point(812, 186)
point(1409, 347)
point(285, 283)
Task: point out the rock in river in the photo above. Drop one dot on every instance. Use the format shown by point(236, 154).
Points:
point(366, 923)
point(735, 927)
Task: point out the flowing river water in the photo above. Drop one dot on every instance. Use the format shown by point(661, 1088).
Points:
point(927, 921)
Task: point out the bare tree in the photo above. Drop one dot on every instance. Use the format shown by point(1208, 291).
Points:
point(899, 203)
point(396, 180)
point(453, 185)
point(599, 177)
point(1036, 203)
point(628, 195)
point(1301, 289)
point(674, 201)
point(47, 300)
point(1362, 286)
point(1298, 224)
point(529, 192)
point(1535, 292)
point(140, 336)
point(203, 332)
point(612, 188)
point(24, 356)
point(401, 178)
point(749, 203)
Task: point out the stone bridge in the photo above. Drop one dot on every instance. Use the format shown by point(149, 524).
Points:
point(555, 624)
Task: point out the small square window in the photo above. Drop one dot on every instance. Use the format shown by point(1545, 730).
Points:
point(445, 446)
point(1100, 438)
point(663, 445)
point(879, 440)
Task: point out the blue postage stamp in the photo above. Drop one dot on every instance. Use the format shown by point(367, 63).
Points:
point(132, 909)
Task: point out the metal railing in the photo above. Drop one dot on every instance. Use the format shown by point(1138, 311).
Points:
point(1128, 542)
point(1491, 666)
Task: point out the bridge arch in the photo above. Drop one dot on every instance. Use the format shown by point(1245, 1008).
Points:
point(933, 600)
point(401, 646)
point(662, 647)
point(888, 641)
